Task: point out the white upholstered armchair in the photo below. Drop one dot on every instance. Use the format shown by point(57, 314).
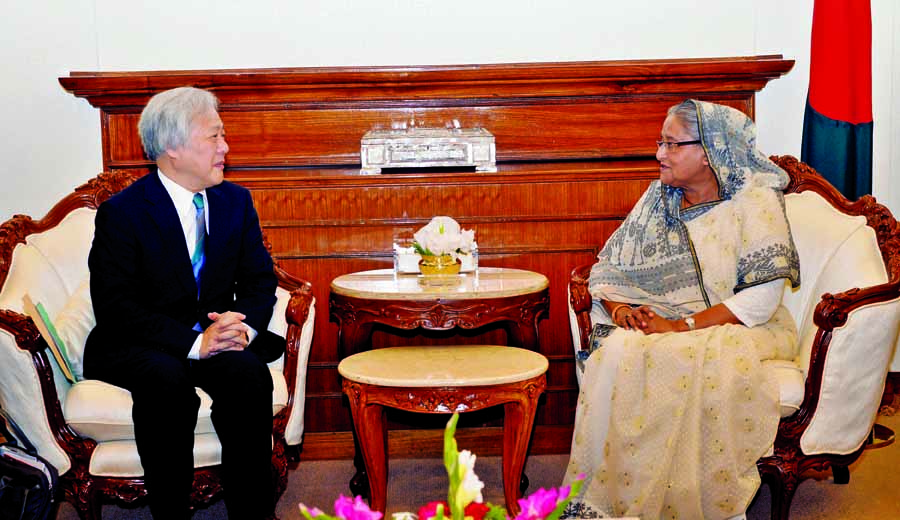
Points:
point(85, 429)
point(847, 311)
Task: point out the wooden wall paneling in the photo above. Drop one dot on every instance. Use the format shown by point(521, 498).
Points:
point(575, 149)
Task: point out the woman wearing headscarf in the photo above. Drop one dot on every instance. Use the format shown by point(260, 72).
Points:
point(674, 408)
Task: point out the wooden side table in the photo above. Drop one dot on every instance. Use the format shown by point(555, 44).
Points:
point(461, 378)
point(514, 297)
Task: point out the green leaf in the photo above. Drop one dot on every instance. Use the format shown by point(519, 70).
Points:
point(451, 462)
point(495, 512)
point(422, 250)
point(561, 506)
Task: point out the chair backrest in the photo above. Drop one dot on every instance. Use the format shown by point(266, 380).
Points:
point(46, 259)
point(837, 252)
point(48, 266)
point(847, 308)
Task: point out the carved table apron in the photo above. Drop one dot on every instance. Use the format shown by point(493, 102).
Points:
point(514, 297)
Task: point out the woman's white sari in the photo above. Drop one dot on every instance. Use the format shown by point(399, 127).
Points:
point(671, 425)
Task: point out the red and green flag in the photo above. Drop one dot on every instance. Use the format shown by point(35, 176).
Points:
point(837, 124)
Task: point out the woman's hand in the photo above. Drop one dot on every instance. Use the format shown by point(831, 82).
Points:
point(631, 318)
point(651, 323)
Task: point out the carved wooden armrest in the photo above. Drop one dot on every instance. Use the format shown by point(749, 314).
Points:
point(296, 315)
point(28, 338)
point(580, 298)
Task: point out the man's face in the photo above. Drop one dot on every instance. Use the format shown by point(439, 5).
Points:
point(200, 162)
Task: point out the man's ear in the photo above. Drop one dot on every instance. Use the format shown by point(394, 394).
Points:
point(172, 153)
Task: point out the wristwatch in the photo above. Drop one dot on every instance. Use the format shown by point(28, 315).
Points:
point(689, 321)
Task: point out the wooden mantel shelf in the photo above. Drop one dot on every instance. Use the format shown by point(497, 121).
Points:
point(589, 78)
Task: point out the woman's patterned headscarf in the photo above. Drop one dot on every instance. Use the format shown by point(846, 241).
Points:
point(650, 259)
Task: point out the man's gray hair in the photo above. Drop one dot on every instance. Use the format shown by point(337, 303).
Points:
point(166, 120)
point(686, 113)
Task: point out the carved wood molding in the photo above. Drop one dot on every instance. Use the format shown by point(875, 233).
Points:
point(580, 298)
point(316, 116)
point(441, 314)
point(445, 399)
point(322, 85)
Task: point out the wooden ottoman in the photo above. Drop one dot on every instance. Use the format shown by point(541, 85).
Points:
point(443, 379)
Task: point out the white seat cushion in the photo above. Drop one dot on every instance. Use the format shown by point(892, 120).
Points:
point(791, 384)
point(120, 458)
point(102, 411)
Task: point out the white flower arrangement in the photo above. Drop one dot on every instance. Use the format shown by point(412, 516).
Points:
point(444, 236)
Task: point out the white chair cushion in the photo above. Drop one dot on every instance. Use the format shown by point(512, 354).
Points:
point(293, 432)
point(278, 323)
point(66, 246)
point(120, 458)
point(73, 324)
point(102, 411)
point(818, 230)
point(790, 384)
point(30, 273)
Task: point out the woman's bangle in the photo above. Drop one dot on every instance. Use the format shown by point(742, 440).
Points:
point(612, 314)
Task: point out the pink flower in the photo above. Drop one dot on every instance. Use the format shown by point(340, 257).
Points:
point(429, 510)
point(541, 503)
point(354, 509)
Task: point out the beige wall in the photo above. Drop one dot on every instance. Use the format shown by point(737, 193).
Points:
point(49, 140)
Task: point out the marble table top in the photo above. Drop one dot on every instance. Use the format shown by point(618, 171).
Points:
point(436, 366)
point(486, 282)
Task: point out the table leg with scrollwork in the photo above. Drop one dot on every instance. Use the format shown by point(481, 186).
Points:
point(354, 326)
point(518, 422)
point(523, 328)
point(370, 430)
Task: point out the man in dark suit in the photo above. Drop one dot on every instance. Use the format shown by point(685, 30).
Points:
point(183, 289)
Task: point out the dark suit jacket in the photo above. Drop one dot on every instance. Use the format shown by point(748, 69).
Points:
point(142, 285)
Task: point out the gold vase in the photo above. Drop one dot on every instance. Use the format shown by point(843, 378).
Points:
point(439, 265)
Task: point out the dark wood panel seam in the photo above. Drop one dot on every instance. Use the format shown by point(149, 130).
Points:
point(462, 219)
point(388, 255)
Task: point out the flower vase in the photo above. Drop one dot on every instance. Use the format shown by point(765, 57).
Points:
point(432, 265)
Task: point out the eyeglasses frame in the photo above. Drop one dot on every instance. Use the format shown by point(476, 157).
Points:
point(674, 145)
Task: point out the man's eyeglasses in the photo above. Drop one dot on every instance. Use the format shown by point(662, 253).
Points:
point(673, 145)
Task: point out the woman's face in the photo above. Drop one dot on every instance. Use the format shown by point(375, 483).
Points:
point(684, 166)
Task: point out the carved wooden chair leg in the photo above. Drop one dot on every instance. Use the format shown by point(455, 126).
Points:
point(782, 495)
point(89, 509)
point(293, 454)
point(841, 474)
point(279, 469)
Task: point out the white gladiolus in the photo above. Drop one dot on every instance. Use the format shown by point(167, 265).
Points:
point(470, 486)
